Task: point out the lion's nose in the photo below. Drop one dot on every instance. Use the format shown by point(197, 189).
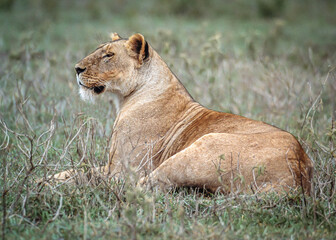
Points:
point(79, 70)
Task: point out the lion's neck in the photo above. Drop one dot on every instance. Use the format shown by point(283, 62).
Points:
point(154, 83)
point(149, 114)
point(116, 100)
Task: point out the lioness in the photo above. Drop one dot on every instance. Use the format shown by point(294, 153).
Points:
point(169, 139)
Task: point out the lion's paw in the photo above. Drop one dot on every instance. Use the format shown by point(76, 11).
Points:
point(68, 176)
point(143, 183)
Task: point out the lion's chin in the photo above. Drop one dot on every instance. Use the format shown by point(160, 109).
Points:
point(86, 95)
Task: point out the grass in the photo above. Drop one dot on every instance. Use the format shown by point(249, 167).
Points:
point(281, 71)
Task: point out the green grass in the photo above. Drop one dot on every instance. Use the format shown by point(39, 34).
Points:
point(279, 70)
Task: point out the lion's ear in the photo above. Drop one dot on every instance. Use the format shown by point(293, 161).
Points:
point(138, 47)
point(115, 36)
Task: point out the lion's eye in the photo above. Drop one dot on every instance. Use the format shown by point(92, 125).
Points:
point(108, 55)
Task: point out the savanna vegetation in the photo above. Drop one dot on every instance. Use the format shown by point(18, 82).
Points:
point(268, 60)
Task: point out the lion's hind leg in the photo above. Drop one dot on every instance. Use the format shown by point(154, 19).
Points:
point(230, 163)
point(194, 166)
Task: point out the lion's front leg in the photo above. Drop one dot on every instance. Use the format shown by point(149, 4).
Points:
point(78, 176)
point(69, 176)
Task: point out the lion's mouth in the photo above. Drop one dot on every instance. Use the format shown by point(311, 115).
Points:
point(97, 90)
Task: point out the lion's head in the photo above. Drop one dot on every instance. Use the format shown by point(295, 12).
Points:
point(114, 66)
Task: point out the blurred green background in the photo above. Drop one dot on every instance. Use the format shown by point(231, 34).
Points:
point(309, 23)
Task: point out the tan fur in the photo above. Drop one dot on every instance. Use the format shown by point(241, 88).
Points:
point(115, 36)
point(161, 131)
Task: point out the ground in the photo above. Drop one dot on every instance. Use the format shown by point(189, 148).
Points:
point(273, 63)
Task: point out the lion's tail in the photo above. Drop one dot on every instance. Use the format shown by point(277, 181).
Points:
point(307, 173)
